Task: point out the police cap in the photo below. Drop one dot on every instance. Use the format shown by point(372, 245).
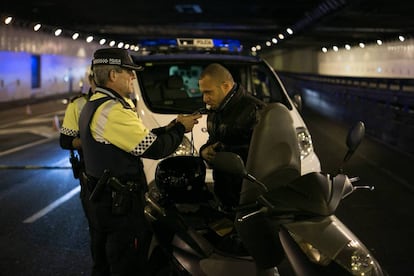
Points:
point(114, 56)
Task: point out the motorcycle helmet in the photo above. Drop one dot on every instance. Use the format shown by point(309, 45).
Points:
point(181, 179)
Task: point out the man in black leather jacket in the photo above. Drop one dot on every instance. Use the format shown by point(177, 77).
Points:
point(232, 116)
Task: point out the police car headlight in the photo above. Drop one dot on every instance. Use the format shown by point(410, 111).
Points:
point(185, 148)
point(304, 141)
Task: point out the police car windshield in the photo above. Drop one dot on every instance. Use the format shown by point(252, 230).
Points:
point(170, 87)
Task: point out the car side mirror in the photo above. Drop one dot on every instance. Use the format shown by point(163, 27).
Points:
point(297, 101)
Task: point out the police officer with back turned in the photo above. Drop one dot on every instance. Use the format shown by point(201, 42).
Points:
point(114, 139)
point(69, 135)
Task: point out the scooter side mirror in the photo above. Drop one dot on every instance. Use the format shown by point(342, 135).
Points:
point(354, 138)
point(230, 163)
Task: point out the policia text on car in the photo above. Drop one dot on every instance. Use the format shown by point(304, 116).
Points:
point(113, 140)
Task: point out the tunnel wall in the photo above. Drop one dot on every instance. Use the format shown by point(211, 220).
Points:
point(386, 106)
point(394, 59)
point(61, 64)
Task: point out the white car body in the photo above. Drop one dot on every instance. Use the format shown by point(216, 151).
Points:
point(153, 119)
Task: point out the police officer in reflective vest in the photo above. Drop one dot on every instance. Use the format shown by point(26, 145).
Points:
point(69, 133)
point(113, 140)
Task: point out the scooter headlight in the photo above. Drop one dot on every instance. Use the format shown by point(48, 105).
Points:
point(304, 141)
point(314, 254)
point(357, 260)
point(354, 258)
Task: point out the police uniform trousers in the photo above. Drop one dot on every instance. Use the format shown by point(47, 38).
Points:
point(119, 242)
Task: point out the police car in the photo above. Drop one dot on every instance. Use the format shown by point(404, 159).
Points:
point(168, 86)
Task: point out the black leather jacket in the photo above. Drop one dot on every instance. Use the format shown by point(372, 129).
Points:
point(232, 125)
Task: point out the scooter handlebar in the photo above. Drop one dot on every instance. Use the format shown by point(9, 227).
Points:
point(262, 210)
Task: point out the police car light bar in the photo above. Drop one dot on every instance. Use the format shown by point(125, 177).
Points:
point(225, 45)
point(195, 42)
point(230, 45)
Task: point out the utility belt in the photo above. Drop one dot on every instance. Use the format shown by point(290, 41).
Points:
point(121, 191)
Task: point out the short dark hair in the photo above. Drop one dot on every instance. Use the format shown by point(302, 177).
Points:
point(217, 72)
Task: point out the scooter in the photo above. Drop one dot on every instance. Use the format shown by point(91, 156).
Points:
point(296, 212)
point(191, 235)
point(280, 210)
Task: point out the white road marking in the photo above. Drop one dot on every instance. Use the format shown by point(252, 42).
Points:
point(35, 119)
point(52, 206)
point(25, 146)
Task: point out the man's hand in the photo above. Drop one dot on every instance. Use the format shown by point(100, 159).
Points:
point(209, 152)
point(188, 121)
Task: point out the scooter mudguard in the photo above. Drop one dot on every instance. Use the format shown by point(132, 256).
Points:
point(215, 264)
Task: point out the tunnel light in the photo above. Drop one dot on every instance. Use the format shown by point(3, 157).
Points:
point(361, 45)
point(274, 40)
point(401, 38)
point(112, 43)
point(268, 43)
point(258, 47)
point(8, 20)
point(324, 49)
point(120, 44)
point(379, 41)
point(281, 36)
point(37, 27)
point(102, 41)
point(335, 48)
point(75, 36)
point(89, 39)
point(347, 47)
point(253, 49)
point(58, 32)
point(126, 46)
point(289, 31)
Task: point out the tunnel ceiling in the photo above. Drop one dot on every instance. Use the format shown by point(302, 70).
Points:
point(314, 23)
